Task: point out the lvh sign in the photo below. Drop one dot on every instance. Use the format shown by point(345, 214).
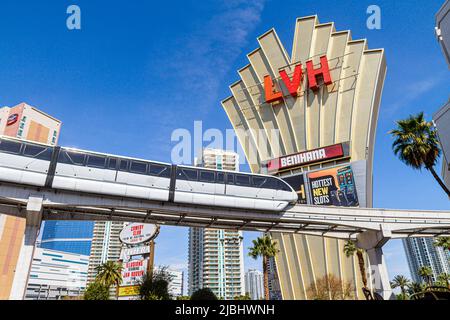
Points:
point(294, 83)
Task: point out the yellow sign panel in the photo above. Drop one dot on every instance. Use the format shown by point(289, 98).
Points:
point(128, 291)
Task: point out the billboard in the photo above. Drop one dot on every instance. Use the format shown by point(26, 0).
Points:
point(133, 271)
point(333, 187)
point(298, 184)
point(128, 291)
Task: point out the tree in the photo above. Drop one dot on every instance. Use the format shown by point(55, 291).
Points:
point(204, 294)
point(183, 298)
point(110, 274)
point(266, 248)
point(444, 280)
point(416, 145)
point(155, 285)
point(443, 242)
point(350, 249)
point(402, 283)
point(330, 287)
point(96, 291)
point(426, 272)
point(415, 287)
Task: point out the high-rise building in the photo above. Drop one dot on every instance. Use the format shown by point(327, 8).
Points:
point(254, 284)
point(106, 245)
point(443, 29)
point(176, 286)
point(420, 252)
point(216, 256)
point(56, 274)
point(68, 236)
point(26, 122)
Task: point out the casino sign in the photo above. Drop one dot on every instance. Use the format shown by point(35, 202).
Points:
point(310, 118)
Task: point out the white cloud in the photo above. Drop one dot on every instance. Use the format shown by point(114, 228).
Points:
point(413, 91)
point(206, 55)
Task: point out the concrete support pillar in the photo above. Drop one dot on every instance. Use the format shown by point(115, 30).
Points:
point(372, 242)
point(34, 218)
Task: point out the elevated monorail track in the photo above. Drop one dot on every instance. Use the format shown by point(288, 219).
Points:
point(335, 222)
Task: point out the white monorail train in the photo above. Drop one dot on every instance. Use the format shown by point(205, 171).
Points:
point(35, 164)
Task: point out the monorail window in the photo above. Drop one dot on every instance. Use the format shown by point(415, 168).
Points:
point(123, 165)
point(112, 164)
point(159, 170)
point(187, 174)
point(10, 146)
point(96, 161)
point(270, 183)
point(207, 176)
point(220, 177)
point(242, 180)
point(76, 158)
point(258, 181)
point(283, 186)
point(38, 152)
point(230, 178)
point(138, 167)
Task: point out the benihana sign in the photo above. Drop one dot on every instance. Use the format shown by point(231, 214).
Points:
point(294, 84)
point(308, 157)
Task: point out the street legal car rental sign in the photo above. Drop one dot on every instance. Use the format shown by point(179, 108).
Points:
point(294, 84)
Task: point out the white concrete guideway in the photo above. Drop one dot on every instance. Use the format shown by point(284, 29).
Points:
point(372, 228)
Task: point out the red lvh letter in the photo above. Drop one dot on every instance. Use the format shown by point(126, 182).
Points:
point(270, 92)
point(324, 71)
point(293, 85)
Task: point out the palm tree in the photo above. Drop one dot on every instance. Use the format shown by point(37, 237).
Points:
point(426, 272)
point(443, 242)
point(350, 249)
point(416, 145)
point(415, 287)
point(444, 279)
point(109, 274)
point(400, 282)
point(266, 248)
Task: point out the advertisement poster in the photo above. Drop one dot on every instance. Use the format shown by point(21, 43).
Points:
point(298, 184)
point(133, 271)
point(333, 187)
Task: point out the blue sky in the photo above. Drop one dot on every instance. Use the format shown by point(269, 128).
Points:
point(138, 70)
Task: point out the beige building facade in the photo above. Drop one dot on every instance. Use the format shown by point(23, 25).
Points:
point(310, 117)
point(25, 122)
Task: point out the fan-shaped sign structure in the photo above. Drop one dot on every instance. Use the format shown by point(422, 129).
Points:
point(314, 109)
point(339, 104)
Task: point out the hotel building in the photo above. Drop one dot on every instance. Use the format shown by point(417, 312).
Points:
point(56, 274)
point(421, 252)
point(26, 122)
point(105, 246)
point(68, 236)
point(216, 256)
point(254, 284)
